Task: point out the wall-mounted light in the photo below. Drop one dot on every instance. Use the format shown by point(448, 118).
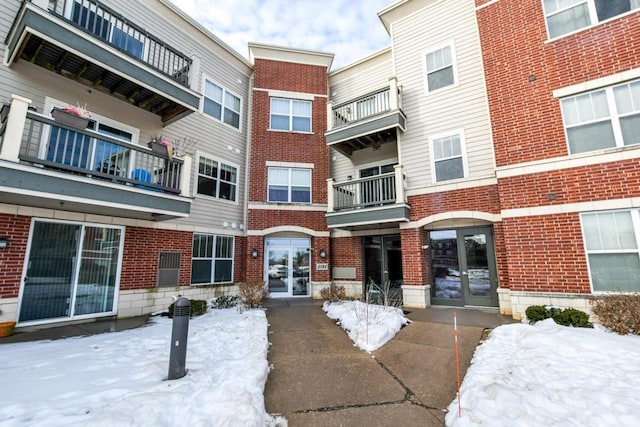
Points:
point(323, 253)
point(4, 242)
point(254, 253)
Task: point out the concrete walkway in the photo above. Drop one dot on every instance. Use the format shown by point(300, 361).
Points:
point(319, 378)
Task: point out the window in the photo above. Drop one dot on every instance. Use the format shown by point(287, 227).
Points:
point(221, 104)
point(603, 118)
point(289, 185)
point(612, 241)
point(566, 16)
point(212, 260)
point(447, 158)
point(217, 179)
point(291, 115)
point(440, 72)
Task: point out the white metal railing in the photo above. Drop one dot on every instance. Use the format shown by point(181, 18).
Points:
point(372, 191)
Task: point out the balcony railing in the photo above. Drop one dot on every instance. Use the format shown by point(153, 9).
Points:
point(361, 108)
point(51, 144)
point(105, 24)
point(365, 192)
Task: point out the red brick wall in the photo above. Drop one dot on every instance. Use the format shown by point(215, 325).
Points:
point(279, 75)
point(608, 181)
point(482, 199)
point(501, 255)
point(546, 254)
point(262, 219)
point(415, 260)
point(142, 247)
point(522, 70)
point(16, 229)
point(347, 252)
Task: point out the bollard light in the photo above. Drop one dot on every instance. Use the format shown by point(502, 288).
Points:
point(179, 332)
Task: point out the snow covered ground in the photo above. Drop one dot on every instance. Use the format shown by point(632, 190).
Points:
point(551, 375)
point(118, 379)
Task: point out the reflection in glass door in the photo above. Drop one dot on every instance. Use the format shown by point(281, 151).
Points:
point(288, 266)
point(462, 265)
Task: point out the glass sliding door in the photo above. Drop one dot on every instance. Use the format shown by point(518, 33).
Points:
point(72, 270)
point(288, 266)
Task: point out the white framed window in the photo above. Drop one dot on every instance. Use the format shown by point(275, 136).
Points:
point(612, 245)
point(289, 185)
point(440, 68)
point(567, 16)
point(292, 115)
point(212, 259)
point(448, 157)
point(217, 179)
point(221, 104)
point(603, 118)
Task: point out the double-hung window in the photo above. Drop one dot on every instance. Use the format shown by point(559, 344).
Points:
point(612, 243)
point(603, 118)
point(440, 68)
point(289, 185)
point(221, 104)
point(212, 259)
point(567, 16)
point(217, 179)
point(290, 115)
point(448, 157)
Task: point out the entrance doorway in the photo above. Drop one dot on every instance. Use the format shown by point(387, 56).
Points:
point(287, 267)
point(463, 267)
point(72, 270)
point(383, 267)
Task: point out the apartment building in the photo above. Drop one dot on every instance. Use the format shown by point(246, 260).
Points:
point(487, 158)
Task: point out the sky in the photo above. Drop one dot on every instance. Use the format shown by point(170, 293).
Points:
point(522, 375)
point(351, 30)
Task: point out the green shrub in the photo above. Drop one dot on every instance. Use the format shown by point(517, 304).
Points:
point(562, 316)
point(333, 293)
point(225, 301)
point(619, 313)
point(198, 307)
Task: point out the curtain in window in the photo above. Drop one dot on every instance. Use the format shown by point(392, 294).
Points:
point(447, 153)
point(213, 99)
point(300, 186)
point(565, 16)
point(628, 104)
point(278, 185)
point(588, 122)
point(439, 68)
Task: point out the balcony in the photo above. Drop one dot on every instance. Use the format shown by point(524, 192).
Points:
point(87, 42)
point(48, 164)
point(368, 121)
point(365, 203)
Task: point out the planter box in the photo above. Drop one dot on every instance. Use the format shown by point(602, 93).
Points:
point(162, 149)
point(69, 119)
point(6, 328)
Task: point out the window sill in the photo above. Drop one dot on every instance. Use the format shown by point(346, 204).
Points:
point(291, 131)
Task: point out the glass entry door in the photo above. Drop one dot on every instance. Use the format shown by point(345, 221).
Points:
point(72, 270)
point(462, 266)
point(383, 267)
point(288, 267)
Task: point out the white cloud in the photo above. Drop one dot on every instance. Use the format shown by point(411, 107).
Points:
point(349, 29)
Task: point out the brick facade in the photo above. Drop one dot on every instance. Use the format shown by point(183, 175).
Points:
point(16, 229)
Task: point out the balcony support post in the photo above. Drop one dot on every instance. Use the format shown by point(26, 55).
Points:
point(330, 196)
point(185, 175)
point(400, 194)
point(16, 120)
point(393, 94)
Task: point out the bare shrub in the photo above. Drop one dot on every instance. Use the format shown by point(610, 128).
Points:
point(618, 312)
point(252, 293)
point(333, 293)
point(384, 294)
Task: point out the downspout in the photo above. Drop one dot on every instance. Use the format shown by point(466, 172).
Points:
point(248, 162)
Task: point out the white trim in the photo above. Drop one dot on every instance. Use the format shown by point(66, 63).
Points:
point(282, 206)
point(474, 215)
point(290, 164)
point(611, 80)
point(214, 245)
point(205, 78)
point(288, 229)
point(290, 186)
point(290, 129)
point(487, 4)
point(453, 185)
point(454, 66)
point(338, 233)
point(600, 205)
point(463, 154)
point(292, 95)
point(220, 162)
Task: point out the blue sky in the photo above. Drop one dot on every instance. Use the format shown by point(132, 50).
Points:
point(350, 29)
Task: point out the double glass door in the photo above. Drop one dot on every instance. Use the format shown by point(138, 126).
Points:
point(72, 270)
point(383, 267)
point(288, 266)
point(463, 267)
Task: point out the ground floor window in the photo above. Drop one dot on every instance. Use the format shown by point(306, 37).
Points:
point(612, 243)
point(212, 260)
point(72, 270)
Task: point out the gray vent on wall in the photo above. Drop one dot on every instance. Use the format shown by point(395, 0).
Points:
point(169, 269)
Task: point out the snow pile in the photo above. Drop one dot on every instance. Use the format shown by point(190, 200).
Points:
point(546, 374)
point(120, 378)
point(369, 326)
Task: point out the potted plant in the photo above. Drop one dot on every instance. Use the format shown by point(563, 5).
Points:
point(6, 328)
point(77, 117)
point(161, 146)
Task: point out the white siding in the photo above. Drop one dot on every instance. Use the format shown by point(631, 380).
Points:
point(460, 107)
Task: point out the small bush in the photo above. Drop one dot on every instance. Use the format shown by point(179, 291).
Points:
point(618, 313)
point(562, 316)
point(225, 301)
point(333, 293)
point(198, 307)
point(252, 293)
